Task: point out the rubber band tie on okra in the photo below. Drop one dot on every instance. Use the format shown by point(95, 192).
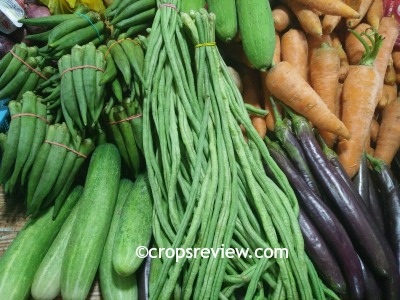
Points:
point(205, 44)
point(168, 5)
point(120, 41)
point(66, 147)
point(30, 115)
point(91, 23)
point(126, 119)
point(32, 69)
point(81, 67)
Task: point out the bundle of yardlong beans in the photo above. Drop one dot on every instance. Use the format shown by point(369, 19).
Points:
point(209, 186)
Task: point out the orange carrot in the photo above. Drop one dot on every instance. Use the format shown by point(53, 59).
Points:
point(338, 101)
point(390, 74)
point(329, 23)
point(388, 141)
point(270, 118)
point(353, 47)
point(374, 129)
point(277, 51)
point(324, 79)
point(388, 28)
point(383, 98)
point(354, 4)
point(287, 85)
point(332, 7)
point(359, 98)
point(294, 49)
point(307, 18)
point(282, 17)
point(362, 11)
point(315, 42)
point(252, 95)
point(344, 62)
point(375, 13)
point(391, 91)
point(397, 77)
point(396, 59)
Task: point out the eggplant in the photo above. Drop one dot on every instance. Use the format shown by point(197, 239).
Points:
point(293, 149)
point(375, 205)
point(361, 181)
point(327, 223)
point(390, 190)
point(143, 279)
point(372, 289)
point(320, 255)
point(369, 242)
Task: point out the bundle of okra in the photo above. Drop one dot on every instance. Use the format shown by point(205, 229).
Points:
point(208, 184)
point(40, 158)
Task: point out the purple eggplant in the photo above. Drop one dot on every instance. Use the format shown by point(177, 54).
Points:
point(375, 205)
point(370, 243)
point(143, 279)
point(320, 255)
point(327, 223)
point(372, 289)
point(361, 181)
point(390, 190)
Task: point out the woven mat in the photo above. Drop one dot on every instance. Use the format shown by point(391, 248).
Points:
point(11, 221)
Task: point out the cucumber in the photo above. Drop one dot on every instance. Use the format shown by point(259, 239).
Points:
point(257, 32)
point(187, 5)
point(134, 229)
point(114, 286)
point(225, 18)
point(46, 283)
point(89, 233)
point(19, 263)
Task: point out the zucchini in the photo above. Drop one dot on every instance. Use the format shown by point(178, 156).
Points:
point(89, 233)
point(225, 18)
point(19, 263)
point(46, 283)
point(134, 229)
point(257, 32)
point(114, 286)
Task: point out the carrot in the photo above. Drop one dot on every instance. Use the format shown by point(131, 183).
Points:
point(252, 95)
point(359, 98)
point(294, 49)
point(344, 62)
point(329, 23)
point(362, 11)
point(397, 78)
point(383, 98)
point(307, 18)
point(331, 7)
point(354, 4)
point(374, 129)
point(390, 74)
point(396, 60)
point(338, 101)
point(388, 28)
point(277, 51)
point(287, 85)
point(391, 91)
point(353, 47)
point(324, 79)
point(282, 17)
point(388, 141)
point(315, 42)
point(375, 13)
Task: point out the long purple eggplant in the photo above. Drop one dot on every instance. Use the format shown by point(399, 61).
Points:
point(375, 203)
point(320, 255)
point(391, 203)
point(327, 223)
point(143, 279)
point(361, 181)
point(372, 289)
point(289, 142)
point(371, 245)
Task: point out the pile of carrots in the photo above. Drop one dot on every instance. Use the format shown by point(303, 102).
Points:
point(344, 85)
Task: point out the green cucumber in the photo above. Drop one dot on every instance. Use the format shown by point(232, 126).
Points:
point(46, 283)
point(135, 228)
point(257, 31)
point(89, 233)
point(19, 263)
point(188, 5)
point(226, 19)
point(114, 286)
